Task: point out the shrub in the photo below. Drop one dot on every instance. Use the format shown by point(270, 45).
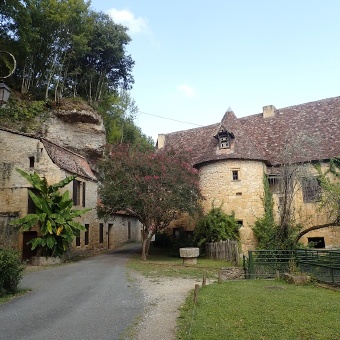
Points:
point(10, 271)
point(216, 226)
point(182, 241)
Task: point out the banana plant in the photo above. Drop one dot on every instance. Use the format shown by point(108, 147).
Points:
point(54, 215)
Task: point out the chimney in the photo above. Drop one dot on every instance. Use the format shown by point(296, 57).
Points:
point(160, 141)
point(268, 111)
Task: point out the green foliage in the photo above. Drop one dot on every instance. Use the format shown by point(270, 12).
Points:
point(330, 185)
point(22, 110)
point(10, 271)
point(54, 215)
point(182, 241)
point(268, 233)
point(64, 49)
point(154, 187)
point(223, 312)
point(216, 226)
point(118, 112)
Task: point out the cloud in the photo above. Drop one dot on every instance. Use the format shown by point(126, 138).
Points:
point(128, 19)
point(187, 90)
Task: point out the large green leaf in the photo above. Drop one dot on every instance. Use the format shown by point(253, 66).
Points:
point(49, 227)
point(61, 184)
point(75, 225)
point(26, 222)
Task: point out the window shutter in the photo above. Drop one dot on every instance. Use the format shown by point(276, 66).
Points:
point(74, 194)
point(84, 187)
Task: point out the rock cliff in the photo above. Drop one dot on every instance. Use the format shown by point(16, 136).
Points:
point(80, 130)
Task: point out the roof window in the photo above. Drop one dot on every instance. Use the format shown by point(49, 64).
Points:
point(224, 138)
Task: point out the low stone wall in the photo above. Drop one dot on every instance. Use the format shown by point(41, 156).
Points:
point(231, 273)
point(45, 261)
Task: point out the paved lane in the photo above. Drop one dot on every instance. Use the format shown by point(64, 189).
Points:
point(90, 299)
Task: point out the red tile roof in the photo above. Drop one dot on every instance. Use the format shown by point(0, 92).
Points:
point(299, 133)
point(68, 160)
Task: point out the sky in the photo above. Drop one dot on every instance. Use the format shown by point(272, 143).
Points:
point(194, 59)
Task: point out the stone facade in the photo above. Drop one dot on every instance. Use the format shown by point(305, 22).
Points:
point(243, 196)
point(234, 155)
point(54, 162)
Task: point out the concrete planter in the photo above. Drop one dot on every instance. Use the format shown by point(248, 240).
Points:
point(45, 261)
point(189, 255)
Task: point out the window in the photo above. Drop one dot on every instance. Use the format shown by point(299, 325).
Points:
point(224, 142)
point(316, 242)
point(101, 232)
point(311, 189)
point(235, 175)
point(79, 192)
point(239, 223)
point(129, 230)
point(224, 138)
point(31, 159)
point(274, 184)
point(87, 232)
point(78, 240)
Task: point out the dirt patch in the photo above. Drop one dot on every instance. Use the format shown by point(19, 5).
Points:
point(164, 297)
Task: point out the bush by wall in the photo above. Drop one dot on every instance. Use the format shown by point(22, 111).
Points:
point(10, 271)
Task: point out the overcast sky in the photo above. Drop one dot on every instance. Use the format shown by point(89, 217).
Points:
point(196, 58)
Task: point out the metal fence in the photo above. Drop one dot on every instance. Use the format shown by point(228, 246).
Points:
point(323, 265)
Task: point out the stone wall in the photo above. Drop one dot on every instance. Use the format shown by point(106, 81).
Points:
point(122, 229)
point(16, 149)
point(242, 196)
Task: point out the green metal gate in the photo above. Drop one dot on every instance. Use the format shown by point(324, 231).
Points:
point(323, 265)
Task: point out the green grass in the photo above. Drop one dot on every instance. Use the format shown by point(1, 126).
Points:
point(260, 309)
point(159, 264)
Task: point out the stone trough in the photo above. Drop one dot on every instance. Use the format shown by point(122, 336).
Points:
point(189, 255)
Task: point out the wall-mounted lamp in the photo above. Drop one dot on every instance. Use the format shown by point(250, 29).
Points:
point(4, 89)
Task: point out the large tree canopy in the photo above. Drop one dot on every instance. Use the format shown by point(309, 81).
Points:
point(154, 187)
point(64, 49)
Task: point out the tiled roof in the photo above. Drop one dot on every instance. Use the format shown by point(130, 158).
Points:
point(298, 133)
point(68, 160)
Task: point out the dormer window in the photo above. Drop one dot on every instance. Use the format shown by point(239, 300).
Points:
point(224, 137)
point(224, 140)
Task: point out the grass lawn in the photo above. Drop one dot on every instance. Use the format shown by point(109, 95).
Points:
point(261, 309)
point(247, 309)
point(160, 264)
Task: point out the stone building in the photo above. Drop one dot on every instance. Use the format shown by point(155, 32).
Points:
point(233, 155)
point(54, 162)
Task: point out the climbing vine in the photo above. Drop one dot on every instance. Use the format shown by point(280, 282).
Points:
point(269, 234)
point(330, 185)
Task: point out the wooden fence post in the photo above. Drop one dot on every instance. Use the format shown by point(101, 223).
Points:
point(197, 286)
point(204, 282)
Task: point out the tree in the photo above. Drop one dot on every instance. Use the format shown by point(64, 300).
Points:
point(54, 215)
point(118, 112)
point(329, 195)
point(64, 49)
point(154, 187)
point(279, 231)
point(216, 226)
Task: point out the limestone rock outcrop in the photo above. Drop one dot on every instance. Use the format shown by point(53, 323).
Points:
point(79, 130)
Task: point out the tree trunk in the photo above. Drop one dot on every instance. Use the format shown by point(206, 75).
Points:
point(145, 246)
